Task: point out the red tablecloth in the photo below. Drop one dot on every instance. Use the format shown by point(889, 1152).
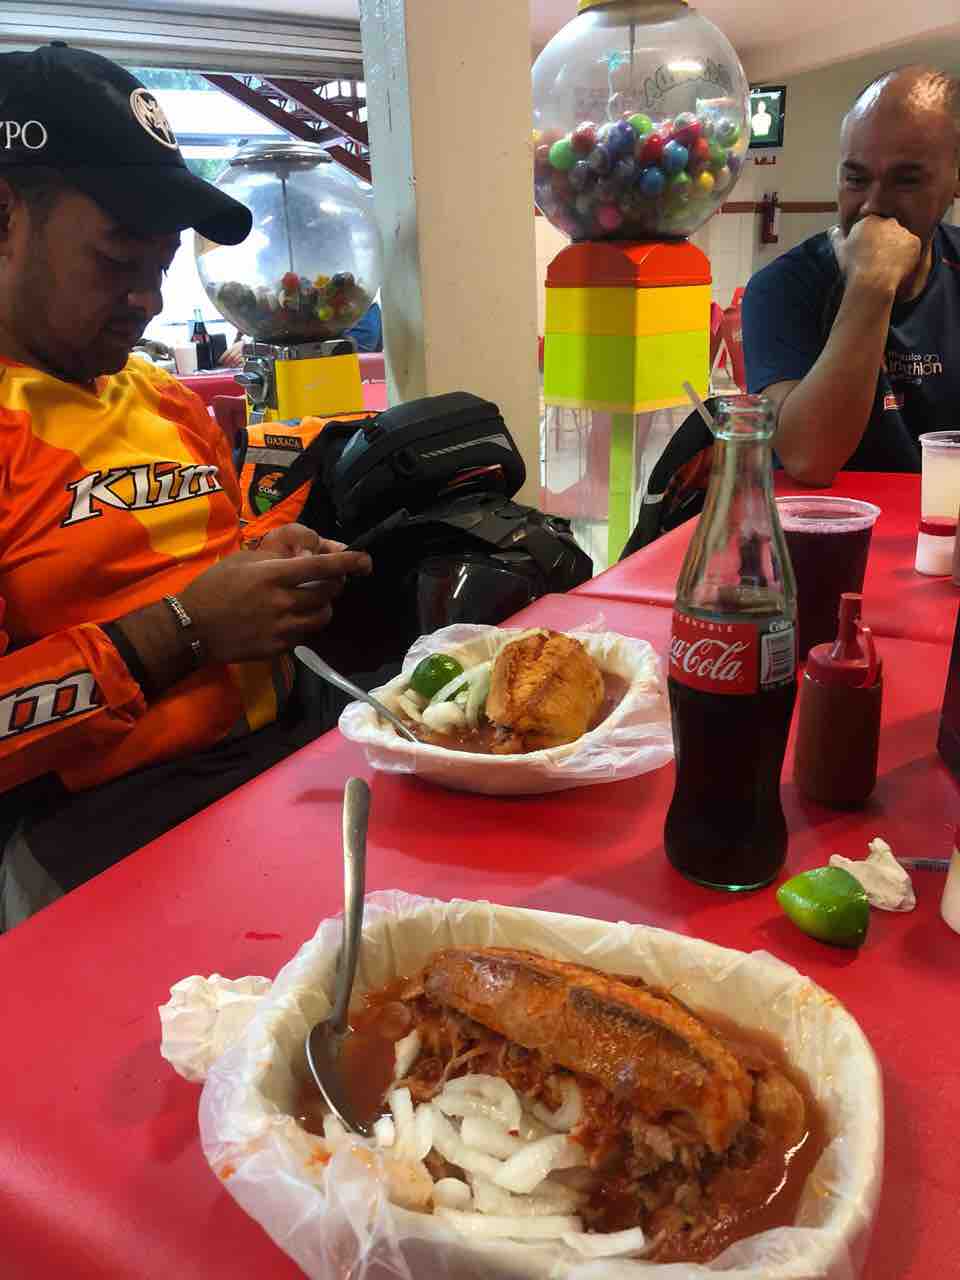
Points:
point(897, 600)
point(101, 1171)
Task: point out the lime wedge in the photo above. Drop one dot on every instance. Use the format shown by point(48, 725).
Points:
point(827, 903)
point(433, 672)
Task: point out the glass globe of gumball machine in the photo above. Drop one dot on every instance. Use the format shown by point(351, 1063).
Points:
point(641, 126)
point(309, 269)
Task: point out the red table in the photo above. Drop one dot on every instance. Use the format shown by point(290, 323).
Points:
point(897, 600)
point(101, 1174)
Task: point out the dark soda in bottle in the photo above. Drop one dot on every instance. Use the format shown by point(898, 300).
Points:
point(733, 667)
point(201, 339)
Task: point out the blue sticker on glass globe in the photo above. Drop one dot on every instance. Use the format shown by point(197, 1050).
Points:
point(675, 157)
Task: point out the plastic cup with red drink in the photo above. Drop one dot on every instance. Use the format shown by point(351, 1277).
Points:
point(829, 541)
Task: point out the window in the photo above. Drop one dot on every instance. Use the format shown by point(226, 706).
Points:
point(209, 126)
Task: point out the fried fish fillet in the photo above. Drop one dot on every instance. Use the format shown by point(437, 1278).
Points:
point(545, 690)
point(641, 1047)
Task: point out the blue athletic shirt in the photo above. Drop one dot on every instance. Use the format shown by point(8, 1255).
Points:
point(789, 309)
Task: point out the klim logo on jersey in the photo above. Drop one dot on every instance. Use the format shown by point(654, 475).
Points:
point(155, 484)
point(45, 703)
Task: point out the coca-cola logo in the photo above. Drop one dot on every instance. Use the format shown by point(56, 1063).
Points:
point(709, 658)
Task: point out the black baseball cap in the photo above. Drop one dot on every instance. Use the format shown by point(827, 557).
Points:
point(84, 115)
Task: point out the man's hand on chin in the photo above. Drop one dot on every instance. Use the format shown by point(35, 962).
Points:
point(878, 253)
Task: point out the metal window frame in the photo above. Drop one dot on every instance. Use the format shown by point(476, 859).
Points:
point(241, 41)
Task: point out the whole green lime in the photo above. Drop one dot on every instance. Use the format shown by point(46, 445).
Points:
point(827, 903)
point(432, 673)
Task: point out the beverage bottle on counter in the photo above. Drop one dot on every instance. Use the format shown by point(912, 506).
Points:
point(200, 337)
point(733, 666)
point(838, 723)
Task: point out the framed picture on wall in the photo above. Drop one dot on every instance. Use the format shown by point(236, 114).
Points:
point(768, 109)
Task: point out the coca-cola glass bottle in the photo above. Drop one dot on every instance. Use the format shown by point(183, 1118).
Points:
point(733, 666)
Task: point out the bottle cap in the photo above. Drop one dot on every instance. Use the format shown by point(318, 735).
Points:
point(852, 659)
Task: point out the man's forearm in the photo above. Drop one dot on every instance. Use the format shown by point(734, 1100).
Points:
point(823, 418)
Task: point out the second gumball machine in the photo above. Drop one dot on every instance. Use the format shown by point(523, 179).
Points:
point(307, 272)
point(640, 132)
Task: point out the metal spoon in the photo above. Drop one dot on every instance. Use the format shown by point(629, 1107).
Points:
point(325, 1041)
point(323, 669)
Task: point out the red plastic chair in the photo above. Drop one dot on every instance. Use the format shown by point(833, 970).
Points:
point(732, 335)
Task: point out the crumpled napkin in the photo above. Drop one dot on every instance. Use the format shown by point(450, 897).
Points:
point(886, 881)
point(203, 1018)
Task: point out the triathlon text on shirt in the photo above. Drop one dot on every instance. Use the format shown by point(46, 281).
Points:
point(154, 484)
point(912, 365)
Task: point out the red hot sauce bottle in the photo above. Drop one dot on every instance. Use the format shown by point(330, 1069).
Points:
point(838, 726)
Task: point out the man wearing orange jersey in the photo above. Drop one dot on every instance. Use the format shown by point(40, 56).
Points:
point(145, 664)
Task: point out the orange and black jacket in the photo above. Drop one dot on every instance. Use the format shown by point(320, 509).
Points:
point(110, 499)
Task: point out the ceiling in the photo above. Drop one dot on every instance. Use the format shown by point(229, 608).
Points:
point(773, 39)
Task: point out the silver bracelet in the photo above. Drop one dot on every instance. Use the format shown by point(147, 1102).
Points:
point(186, 623)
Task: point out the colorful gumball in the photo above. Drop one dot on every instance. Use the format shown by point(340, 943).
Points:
point(728, 132)
point(609, 217)
point(584, 137)
point(600, 159)
point(704, 183)
point(708, 127)
point(723, 180)
point(651, 182)
point(604, 131)
point(675, 157)
point(560, 181)
point(580, 175)
point(734, 164)
point(562, 155)
point(678, 187)
point(622, 138)
point(718, 156)
point(686, 128)
point(641, 125)
point(700, 152)
point(651, 151)
point(585, 204)
point(625, 172)
point(606, 189)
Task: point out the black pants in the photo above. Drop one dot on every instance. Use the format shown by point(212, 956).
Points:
point(74, 836)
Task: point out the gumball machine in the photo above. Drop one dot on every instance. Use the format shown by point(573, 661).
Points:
point(640, 131)
point(309, 269)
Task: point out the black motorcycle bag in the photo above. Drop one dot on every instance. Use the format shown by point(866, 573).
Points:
point(406, 456)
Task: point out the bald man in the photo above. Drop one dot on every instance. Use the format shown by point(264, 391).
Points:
point(855, 334)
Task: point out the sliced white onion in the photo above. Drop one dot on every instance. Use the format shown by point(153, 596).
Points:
point(489, 1198)
point(477, 698)
point(406, 1052)
point(401, 1105)
point(384, 1132)
point(451, 1193)
point(484, 1226)
point(418, 700)
point(481, 1095)
point(567, 1116)
point(530, 1129)
point(607, 1244)
point(409, 708)
point(423, 1131)
point(528, 1168)
point(450, 1145)
point(445, 717)
point(451, 687)
point(484, 1135)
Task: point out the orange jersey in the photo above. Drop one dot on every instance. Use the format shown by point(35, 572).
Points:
point(109, 500)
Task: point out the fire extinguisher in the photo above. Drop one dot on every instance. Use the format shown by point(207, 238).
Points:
point(770, 218)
